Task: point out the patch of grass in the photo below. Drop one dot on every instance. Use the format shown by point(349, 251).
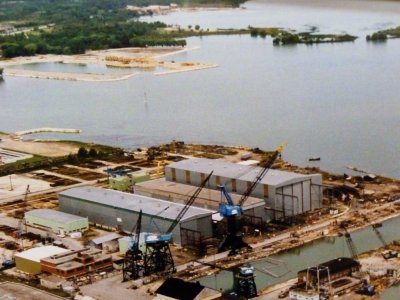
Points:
point(383, 35)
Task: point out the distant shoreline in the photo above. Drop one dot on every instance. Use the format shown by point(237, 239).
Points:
point(129, 58)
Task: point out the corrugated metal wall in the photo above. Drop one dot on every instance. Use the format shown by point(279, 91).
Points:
point(114, 217)
point(295, 197)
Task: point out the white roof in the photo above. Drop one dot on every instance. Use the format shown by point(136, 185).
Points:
point(54, 215)
point(227, 169)
point(133, 202)
point(36, 254)
point(106, 238)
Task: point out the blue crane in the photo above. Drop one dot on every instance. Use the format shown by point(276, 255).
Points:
point(158, 257)
point(233, 239)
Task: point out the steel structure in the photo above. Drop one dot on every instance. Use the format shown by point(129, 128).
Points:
point(233, 239)
point(133, 266)
point(158, 257)
point(386, 254)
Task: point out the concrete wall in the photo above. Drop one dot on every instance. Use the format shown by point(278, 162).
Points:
point(107, 216)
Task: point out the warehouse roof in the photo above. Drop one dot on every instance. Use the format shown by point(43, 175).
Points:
point(335, 265)
point(106, 238)
point(236, 171)
point(53, 215)
point(133, 202)
point(36, 254)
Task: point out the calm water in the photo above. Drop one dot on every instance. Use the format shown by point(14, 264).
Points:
point(311, 255)
point(337, 101)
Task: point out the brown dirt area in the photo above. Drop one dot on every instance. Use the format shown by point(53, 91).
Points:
point(51, 149)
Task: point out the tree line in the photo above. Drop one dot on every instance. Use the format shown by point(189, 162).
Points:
point(76, 38)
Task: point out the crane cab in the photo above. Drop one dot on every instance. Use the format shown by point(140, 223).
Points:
point(226, 210)
point(151, 238)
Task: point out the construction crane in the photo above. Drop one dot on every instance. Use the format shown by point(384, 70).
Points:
point(387, 254)
point(133, 266)
point(349, 241)
point(233, 239)
point(158, 257)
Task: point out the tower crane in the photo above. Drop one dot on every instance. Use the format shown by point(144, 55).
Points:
point(158, 257)
point(233, 239)
point(387, 254)
point(133, 266)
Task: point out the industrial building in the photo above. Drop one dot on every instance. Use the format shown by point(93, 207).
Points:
point(125, 182)
point(76, 263)
point(29, 261)
point(121, 210)
point(329, 271)
point(108, 242)
point(286, 194)
point(208, 198)
point(56, 221)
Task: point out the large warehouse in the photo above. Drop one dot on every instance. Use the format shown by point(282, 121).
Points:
point(286, 194)
point(56, 221)
point(120, 210)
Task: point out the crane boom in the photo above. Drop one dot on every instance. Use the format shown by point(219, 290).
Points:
point(188, 204)
point(375, 229)
point(264, 169)
point(138, 229)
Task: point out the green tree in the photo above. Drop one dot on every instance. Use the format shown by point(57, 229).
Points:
point(92, 152)
point(30, 49)
point(82, 152)
point(197, 27)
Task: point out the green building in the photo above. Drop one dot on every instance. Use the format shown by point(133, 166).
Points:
point(56, 221)
point(125, 183)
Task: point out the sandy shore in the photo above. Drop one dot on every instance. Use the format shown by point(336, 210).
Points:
point(65, 76)
point(127, 58)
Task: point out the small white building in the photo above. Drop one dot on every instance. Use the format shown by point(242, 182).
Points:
point(29, 261)
point(108, 242)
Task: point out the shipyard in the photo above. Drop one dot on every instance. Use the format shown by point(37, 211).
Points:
point(177, 215)
point(199, 149)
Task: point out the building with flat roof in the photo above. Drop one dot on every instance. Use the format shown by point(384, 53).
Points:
point(107, 242)
point(56, 221)
point(76, 263)
point(121, 210)
point(29, 261)
point(286, 194)
point(208, 198)
point(330, 270)
point(125, 182)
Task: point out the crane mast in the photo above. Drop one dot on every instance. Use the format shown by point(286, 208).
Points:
point(264, 169)
point(233, 239)
point(133, 266)
point(158, 257)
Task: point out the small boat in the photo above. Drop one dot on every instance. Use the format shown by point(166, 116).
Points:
point(316, 158)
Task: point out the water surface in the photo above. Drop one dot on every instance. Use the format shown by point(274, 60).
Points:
point(336, 101)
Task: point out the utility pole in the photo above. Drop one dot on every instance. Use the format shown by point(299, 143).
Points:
point(11, 186)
